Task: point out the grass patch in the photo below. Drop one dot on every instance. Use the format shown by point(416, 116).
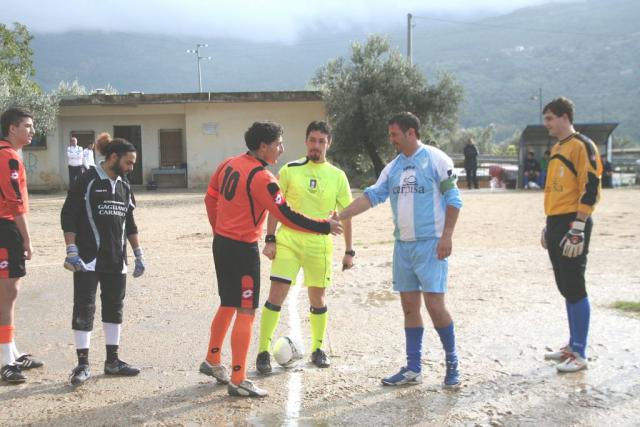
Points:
point(630, 306)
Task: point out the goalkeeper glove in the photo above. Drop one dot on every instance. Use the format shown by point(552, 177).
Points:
point(139, 267)
point(572, 243)
point(73, 262)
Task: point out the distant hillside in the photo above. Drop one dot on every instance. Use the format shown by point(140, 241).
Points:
point(589, 51)
point(501, 69)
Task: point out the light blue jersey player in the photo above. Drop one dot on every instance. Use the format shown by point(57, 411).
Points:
point(425, 202)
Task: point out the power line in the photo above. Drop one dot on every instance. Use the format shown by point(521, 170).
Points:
point(526, 29)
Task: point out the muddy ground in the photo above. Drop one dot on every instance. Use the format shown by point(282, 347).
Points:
point(502, 296)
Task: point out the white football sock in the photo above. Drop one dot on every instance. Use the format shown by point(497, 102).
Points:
point(111, 333)
point(7, 354)
point(14, 350)
point(82, 339)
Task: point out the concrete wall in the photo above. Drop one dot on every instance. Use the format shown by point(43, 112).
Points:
point(43, 172)
point(211, 132)
point(151, 119)
point(206, 151)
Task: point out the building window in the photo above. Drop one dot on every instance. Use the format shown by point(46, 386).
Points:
point(84, 137)
point(171, 154)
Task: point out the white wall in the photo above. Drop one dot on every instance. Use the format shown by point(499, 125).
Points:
point(205, 152)
point(150, 118)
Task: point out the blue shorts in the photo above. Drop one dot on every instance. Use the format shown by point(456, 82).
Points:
point(416, 267)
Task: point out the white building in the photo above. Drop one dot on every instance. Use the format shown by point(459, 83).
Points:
point(180, 137)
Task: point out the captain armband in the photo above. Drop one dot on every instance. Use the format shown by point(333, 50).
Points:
point(448, 184)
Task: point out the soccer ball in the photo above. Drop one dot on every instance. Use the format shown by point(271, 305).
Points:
point(287, 351)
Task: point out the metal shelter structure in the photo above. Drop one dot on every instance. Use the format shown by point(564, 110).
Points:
point(535, 138)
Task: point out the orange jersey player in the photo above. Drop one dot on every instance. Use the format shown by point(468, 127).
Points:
point(15, 242)
point(239, 194)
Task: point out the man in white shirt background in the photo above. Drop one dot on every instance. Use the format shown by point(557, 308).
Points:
point(74, 158)
point(88, 161)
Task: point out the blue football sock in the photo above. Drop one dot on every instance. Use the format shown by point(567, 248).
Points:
point(414, 348)
point(581, 313)
point(448, 339)
point(570, 320)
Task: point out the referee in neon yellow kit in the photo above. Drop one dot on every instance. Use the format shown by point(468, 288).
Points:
point(315, 188)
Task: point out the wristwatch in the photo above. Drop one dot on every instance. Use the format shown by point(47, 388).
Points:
point(351, 252)
point(270, 238)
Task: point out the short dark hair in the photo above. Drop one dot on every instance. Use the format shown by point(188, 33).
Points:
point(319, 126)
point(406, 121)
point(560, 106)
point(266, 132)
point(13, 117)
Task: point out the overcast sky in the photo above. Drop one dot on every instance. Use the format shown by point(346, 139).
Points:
point(256, 20)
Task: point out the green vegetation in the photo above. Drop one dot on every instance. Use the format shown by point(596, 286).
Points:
point(361, 94)
point(16, 86)
point(628, 306)
point(587, 50)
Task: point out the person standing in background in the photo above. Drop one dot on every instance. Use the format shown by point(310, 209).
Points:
point(74, 160)
point(471, 163)
point(88, 161)
point(607, 172)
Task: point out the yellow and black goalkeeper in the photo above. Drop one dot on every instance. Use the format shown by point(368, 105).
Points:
point(570, 195)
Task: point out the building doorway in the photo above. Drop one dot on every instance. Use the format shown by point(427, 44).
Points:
point(133, 134)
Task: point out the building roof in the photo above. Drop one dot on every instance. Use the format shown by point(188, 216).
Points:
point(538, 134)
point(137, 98)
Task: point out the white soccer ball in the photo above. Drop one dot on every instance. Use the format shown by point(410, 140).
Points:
point(287, 351)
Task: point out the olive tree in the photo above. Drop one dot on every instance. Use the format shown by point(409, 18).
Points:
point(361, 94)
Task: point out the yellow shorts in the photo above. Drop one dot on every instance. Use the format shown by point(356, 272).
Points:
point(311, 252)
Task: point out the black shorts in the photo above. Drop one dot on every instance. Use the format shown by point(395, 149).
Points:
point(12, 264)
point(569, 272)
point(238, 272)
point(113, 288)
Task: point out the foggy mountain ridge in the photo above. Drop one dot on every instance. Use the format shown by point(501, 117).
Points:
point(589, 51)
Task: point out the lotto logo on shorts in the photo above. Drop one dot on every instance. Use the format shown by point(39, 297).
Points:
point(4, 263)
point(14, 175)
point(247, 292)
point(278, 199)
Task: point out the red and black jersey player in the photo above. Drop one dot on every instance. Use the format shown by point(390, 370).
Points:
point(240, 192)
point(15, 240)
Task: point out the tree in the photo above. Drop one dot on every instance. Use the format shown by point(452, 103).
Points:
point(362, 93)
point(16, 86)
point(73, 88)
point(15, 55)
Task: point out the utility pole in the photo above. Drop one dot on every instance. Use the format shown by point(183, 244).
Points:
point(409, 38)
point(540, 98)
point(196, 52)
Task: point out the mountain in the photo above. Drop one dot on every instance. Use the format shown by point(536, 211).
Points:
point(589, 51)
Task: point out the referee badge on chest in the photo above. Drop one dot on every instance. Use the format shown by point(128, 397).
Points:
point(313, 185)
